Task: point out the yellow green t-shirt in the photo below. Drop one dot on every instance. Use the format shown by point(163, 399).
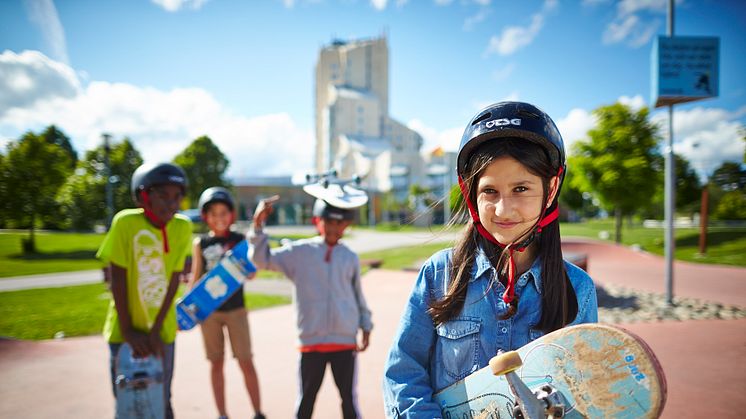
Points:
point(136, 245)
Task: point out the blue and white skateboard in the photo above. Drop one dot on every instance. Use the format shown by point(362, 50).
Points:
point(139, 386)
point(215, 287)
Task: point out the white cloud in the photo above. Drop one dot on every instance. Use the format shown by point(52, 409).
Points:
point(635, 21)
point(30, 77)
point(162, 123)
point(471, 21)
point(44, 15)
point(635, 103)
point(514, 38)
point(378, 4)
point(575, 126)
point(707, 137)
point(448, 139)
point(176, 5)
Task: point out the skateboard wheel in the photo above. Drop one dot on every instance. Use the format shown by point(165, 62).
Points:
point(504, 363)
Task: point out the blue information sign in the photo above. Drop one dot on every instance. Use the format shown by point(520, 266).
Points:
point(684, 69)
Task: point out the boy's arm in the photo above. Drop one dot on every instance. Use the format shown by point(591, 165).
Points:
point(155, 332)
point(260, 253)
point(137, 340)
point(366, 323)
point(196, 263)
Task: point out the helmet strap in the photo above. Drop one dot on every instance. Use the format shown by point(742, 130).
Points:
point(150, 215)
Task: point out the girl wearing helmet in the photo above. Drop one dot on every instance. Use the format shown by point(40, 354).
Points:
point(217, 207)
point(505, 283)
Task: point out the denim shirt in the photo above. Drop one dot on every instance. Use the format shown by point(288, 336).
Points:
point(425, 359)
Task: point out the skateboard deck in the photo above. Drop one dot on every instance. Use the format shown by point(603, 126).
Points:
point(215, 287)
point(139, 384)
point(599, 371)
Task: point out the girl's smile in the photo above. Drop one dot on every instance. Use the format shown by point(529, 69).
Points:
point(509, 199)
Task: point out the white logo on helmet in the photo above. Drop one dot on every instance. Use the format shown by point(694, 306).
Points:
point(502, 122)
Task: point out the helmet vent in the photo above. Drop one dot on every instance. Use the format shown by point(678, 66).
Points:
point(528, 114)
point(486, 115)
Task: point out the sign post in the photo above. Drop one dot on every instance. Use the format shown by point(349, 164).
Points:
point(684, 69)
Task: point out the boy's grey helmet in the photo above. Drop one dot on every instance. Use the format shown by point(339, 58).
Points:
point(215, 194)
point(152, 174)
point(322, 209)
point(518, 120)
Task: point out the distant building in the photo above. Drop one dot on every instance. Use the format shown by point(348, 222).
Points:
point(354, 132)
point(294, 206)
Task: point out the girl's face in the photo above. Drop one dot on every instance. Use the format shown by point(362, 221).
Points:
point(165, 201)
point(510, 199)
point(218, 218)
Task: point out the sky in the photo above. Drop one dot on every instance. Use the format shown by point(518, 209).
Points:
point(164, 72)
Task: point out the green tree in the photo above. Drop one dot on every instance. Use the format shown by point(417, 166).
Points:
point(204, 165)
point(729, 176)
point(53, 135)
point(83, 197)
point(32, 172)
point(618, 160)
point(731, 206)
point(688, 189)
point(573, 197)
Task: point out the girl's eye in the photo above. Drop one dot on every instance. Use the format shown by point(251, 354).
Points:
point(520, 189)
point(489, 191)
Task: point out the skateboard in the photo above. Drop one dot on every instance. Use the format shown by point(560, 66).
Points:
point(139, 384)
point(215, 287)
point(341, 193)
point(583, 371)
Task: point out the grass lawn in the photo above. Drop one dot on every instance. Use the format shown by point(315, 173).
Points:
point(405, 257)
point(726, 245)
point(57, 252)
point(76, 311)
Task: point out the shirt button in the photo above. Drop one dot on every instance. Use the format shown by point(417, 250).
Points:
point(504, 330)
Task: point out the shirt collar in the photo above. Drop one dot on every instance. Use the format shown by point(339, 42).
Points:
point(482, 264)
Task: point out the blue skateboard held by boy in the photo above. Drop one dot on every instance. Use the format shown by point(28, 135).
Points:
point(139, 386)
point(215, 287)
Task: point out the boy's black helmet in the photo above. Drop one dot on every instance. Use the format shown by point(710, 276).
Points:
point(322, 209)
point(152, 174)
point(512, 120)
point(215, 194)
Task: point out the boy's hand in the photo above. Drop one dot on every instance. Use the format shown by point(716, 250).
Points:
point(155, 342)
point(366, 341)
point(263, 210)
point(139, 342)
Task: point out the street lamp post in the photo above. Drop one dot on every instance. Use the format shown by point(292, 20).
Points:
point(108, 186)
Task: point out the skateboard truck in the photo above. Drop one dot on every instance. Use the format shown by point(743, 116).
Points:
point(543, 403)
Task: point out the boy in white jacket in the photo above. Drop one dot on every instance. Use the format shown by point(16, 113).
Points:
point(330, 306)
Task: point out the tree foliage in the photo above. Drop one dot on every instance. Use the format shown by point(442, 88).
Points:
point(619, 160)
point(205, 166)
point(83, 196)
point(32, 172)
point(53, 135)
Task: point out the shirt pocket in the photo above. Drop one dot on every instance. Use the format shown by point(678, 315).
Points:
point(534, 334)
point(458, 346)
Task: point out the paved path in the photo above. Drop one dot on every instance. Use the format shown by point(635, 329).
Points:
point(359, 240)
point(703, 360)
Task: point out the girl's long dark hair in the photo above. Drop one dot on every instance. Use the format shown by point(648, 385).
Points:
point(559, 303)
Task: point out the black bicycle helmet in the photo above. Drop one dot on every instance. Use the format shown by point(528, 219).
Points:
point(512, 120)
point(322, 209)
point(152, 174)
point(215, 194)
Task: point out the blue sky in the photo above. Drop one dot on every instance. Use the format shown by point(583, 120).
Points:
point(164, 72)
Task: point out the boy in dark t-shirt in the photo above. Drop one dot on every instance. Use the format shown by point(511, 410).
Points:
point(217, 207)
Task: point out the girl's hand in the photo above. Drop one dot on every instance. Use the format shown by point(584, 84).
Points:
point(263, 210)
point(366, 341)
